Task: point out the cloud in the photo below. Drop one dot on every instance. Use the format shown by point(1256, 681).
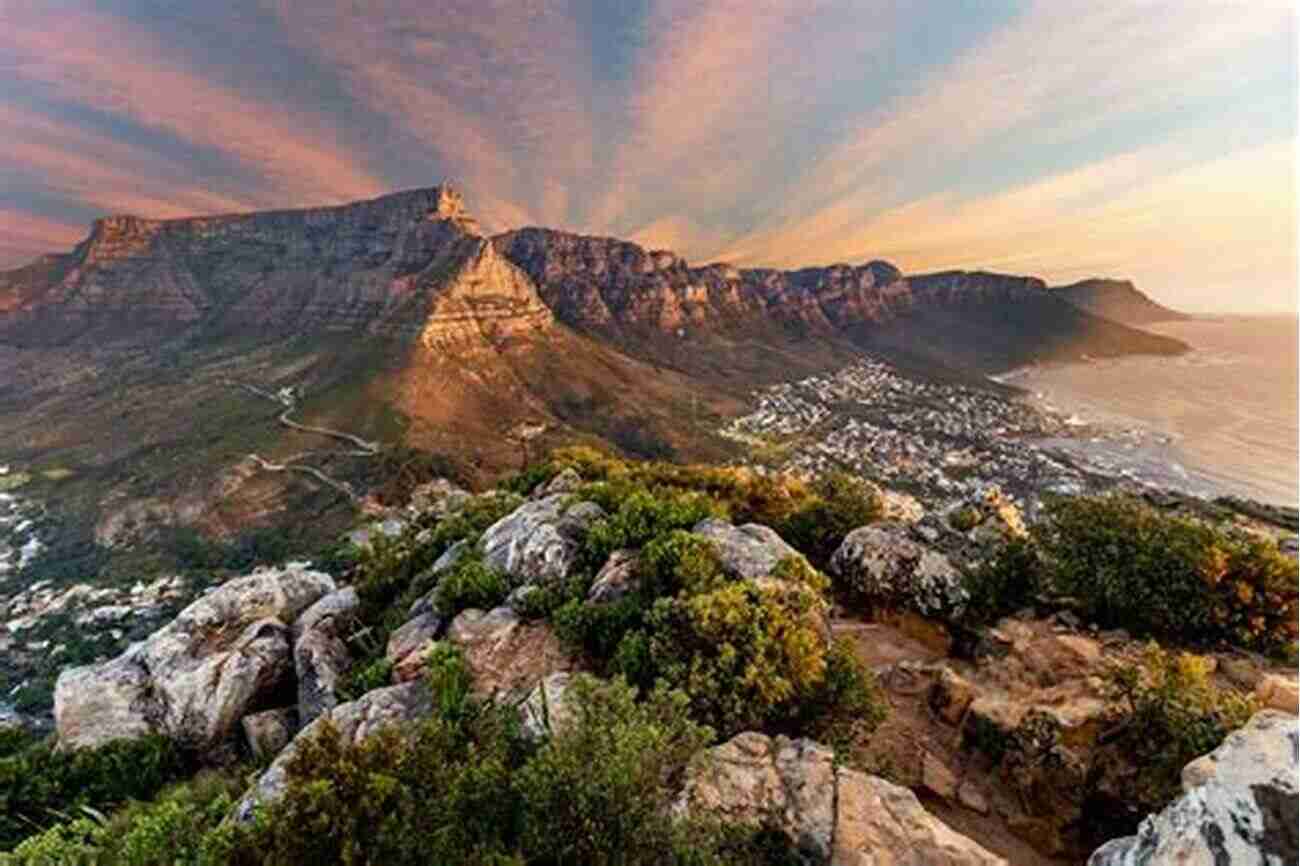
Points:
point(101, 62)
point(24, 236)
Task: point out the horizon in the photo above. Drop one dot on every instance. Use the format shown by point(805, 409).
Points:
point(1154, 143)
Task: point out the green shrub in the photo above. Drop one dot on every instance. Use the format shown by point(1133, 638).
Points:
point(1006, 582)
point(965, 519)
point(1168, 576)
point(1172, 713)
point(39, 785)
point(470, 583)
point(463, 787)
point(637, 516)
point(847, 708)
point(840, 504)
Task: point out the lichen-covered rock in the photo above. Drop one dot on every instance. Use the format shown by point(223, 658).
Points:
point(320, 653)
point(1239, 805)
point(363, 536)
point(567, 481)
point(437, 498)
point(196, 677)
point(269, 731)
point(888, 567)
point(548, 707)
point(443, 564)
point(408, 646)
point(354, 721)
point(616, 578)
point(833, 816)
point(539, 541)
point(745, 552)
point(506, 655)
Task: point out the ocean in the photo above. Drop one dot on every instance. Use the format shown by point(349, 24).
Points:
point(1221, 419)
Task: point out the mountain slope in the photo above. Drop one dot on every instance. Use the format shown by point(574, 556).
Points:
point(1117, 300)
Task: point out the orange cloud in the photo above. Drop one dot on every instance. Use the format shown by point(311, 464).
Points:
point(24, 236)
point(99, 61)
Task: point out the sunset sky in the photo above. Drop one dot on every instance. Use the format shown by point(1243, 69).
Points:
point(1130, 138)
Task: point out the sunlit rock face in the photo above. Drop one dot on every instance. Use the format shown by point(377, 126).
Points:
point(408, 264)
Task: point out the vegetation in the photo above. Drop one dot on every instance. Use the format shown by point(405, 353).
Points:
point(38, 785)
point(1172, 713)
point(1155, 574)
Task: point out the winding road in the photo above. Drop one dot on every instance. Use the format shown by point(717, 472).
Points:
point(288, 399)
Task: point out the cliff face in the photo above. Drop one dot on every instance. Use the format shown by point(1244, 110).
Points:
point(407, 264)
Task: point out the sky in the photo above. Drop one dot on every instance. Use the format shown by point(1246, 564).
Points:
point(1153, 140)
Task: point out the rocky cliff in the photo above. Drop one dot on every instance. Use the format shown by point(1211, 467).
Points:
point(411, 263)
point(977, 320)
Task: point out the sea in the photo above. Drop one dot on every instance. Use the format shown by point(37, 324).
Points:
point(1219, 420)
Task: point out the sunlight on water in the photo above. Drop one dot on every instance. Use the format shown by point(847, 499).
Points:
point(1227, 410)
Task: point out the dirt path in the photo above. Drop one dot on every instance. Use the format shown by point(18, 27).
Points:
point(286, 397)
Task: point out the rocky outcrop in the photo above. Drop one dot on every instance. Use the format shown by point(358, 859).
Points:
point(549, 707)
point(616, 578)
point(506, 655)
point(1239, 805)
point(539, 541)
point(194, 679)
point(745, 552)
point(320, 652)
point(408, 645)
point(832, 815)
point(888, 567)
point(354, 722)
point(409, 264)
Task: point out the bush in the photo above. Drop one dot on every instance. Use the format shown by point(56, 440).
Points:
point(39, 785)
point(841, 503)
point(1006, 582)
point(1172, 714)
point(463, 787)
point(1154, 574)
point(470, 583)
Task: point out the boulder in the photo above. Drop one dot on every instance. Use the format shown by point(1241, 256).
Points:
point(831, 816)
point(354, 721)
point(1239, 805)
point(539, 541)
point(878, 822)
point(269, 731)
point(506, 655)
point(889, 568)
point(195, 678)
point(320, 652)
point(363, 536)
point(567, 481)
point(548, 708)
point(438, 498)
point(408, 646)
point(616, 578)
point(745, 552)
point(443, 564)
point(1279, 693)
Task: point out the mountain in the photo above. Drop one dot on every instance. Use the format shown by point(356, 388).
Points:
point(131, 367)
point(1117, 300)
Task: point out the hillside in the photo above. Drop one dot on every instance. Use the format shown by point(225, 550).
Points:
point(1117, 300)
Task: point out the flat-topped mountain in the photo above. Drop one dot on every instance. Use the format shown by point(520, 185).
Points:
point(1117, 300)
point(139, 362)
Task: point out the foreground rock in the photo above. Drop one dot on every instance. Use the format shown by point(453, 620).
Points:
point(745, 552)
point(1239, 805)
point(320, 652)
point(888, 567)
point(839, 817)
point(355, 722)
point(506, 655)
point(539, 541)
point(194, 679)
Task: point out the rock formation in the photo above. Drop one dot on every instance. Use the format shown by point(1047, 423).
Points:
point(832, 815)
point(1117, 300)
point(1239, 805)
point(195, 678)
